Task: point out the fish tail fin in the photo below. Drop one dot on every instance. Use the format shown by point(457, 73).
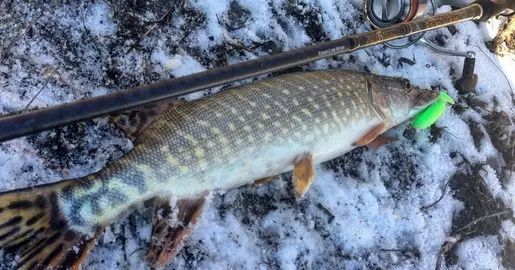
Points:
point(33, 228)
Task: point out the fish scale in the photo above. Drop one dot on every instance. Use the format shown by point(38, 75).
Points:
point(192, 149)
point(229, 139)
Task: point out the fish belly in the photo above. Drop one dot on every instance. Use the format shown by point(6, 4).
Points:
point(273, 160)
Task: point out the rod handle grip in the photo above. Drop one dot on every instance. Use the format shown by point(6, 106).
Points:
point(493, 8)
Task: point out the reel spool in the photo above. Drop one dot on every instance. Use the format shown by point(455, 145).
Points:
point(385, 13)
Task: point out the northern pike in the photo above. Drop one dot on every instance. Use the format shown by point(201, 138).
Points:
point(190, 149)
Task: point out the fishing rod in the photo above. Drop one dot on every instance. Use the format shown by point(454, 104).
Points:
point(17, 125)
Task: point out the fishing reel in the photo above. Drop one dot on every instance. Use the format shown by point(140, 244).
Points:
point(385, 13)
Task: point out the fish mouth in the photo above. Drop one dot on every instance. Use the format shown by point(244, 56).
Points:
point(421, 99)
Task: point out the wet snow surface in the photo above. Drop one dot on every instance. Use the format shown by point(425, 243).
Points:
point(371, 208)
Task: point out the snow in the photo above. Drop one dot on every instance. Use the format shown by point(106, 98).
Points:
point(98, 20)
point(489, 249)
point(369, 208)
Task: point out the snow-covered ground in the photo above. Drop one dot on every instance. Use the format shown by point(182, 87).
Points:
point(371, 208)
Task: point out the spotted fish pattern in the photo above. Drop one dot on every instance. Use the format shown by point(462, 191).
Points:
point(231, 139)
point(198, 146)
point(226, 140)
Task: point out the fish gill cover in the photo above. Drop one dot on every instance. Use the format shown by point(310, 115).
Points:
point(399, 206)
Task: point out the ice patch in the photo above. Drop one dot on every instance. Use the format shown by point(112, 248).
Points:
point(99, 20)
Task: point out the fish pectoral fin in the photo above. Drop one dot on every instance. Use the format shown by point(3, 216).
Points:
point(135, 121)
point(380, 141)
point(32, 227)
point(262, 181)
point(371, 134)
point(168, 233)
point(303, 176)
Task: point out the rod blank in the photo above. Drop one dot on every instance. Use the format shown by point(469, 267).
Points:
point(17, 125)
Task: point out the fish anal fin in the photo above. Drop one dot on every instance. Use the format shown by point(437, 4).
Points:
point(380, 141)
point(303, 175)
point(168, 234)
point(135, 121)
point(33, 228)
point(262, 181)
point(371, 134)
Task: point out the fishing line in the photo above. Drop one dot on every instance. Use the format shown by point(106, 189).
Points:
point(498, 68)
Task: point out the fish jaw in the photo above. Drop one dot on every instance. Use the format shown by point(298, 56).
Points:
point(420, 99)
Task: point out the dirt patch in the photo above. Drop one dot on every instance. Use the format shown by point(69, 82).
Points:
point(237, 17)
point(482, 213)
point(504, 42)
point(499, 127)
point(508, 260)
point(348, 164)
point(477, 133)
point(308, 16)
point(66, 147)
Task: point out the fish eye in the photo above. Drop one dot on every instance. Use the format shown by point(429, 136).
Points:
point(407, 85)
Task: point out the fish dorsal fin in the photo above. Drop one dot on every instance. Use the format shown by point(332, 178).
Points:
point(168, 233)
point(135, 121)
point(32, 227)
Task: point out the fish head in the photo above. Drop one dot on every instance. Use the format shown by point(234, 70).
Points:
point(398, 99)
point(419, 99)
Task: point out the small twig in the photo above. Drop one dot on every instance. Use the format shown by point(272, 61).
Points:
point(423, 208)
point(162, 17)
point(474, 222)
point(135, 251)
point(137, 16)
point(107, 3)
point(465, 106)
point(481, 107)
point(40, 90)
point(391, 250)
point(259, 44)
point(458, 236)
point(186, 34)
point(140, 39)
point(445, 128)
point(143, 36)
point(449, 243)
point(124, 240)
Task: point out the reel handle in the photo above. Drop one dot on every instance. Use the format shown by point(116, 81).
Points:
point(493, 8)
point(468, 81)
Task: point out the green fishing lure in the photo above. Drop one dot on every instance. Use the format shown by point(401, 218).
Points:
point(432, 113)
